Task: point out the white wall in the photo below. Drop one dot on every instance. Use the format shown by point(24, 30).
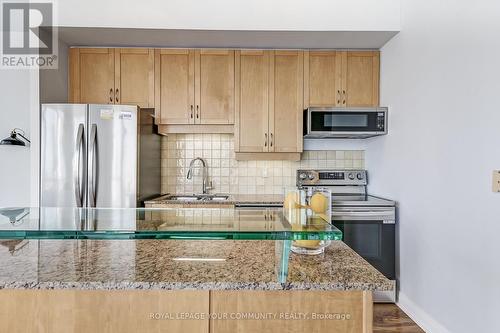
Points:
point(18, 108)
point(292, 15)
point(21, 92)
point(440, 78)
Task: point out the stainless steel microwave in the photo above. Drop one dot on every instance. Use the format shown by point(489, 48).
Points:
point(351, 123)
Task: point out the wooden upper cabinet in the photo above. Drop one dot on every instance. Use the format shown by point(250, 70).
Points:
point(112, 76)
point(174, 85)
point(134, 77)
point(287, 102)
point(322, 76)
point(214, 86)
point(360, 78)
point(91, 75)
point(252, 101)
point(194, 87)
point(341, 78)
point(269, 104)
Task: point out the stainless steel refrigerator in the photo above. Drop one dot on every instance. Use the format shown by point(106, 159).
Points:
point(103, 156)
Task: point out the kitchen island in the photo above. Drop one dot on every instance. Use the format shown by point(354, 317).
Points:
point(181, 285)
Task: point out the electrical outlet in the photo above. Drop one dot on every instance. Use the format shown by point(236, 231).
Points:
point(496, 181)
point(264, 173)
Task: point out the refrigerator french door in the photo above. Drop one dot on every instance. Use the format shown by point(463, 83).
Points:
point(112, 156)
point(89, 160)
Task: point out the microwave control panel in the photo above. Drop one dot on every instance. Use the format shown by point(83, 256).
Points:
point(381, 121)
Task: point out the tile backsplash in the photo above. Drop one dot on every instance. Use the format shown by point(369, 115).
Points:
point(238, 177)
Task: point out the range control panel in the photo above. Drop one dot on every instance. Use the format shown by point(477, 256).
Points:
point(331, 177)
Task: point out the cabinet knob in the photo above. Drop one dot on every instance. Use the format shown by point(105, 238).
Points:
point(117, 95)
point(265, 139)
point(111, 95)
point(197, 111)
point(272, 139)
point(191, 111)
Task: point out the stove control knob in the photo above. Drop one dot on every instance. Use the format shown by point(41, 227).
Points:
point(311, 176)
point(351, 176)
point(302, 175)
point(359, 176)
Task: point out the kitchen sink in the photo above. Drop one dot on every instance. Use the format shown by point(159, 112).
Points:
point(198, 197)
point(218, 197)
point(183, 197)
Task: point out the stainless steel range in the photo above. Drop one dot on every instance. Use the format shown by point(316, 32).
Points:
point(368, 223)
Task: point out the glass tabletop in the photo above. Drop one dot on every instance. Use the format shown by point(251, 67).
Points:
point(164, 223)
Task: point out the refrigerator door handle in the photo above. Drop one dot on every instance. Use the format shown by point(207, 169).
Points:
point(93, 166)
point(76, 167)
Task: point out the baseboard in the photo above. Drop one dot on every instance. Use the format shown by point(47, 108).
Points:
point(419, 316)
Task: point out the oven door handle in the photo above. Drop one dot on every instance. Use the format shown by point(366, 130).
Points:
point(369, 216)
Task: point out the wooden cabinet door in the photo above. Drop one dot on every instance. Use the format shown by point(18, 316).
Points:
point(286, 102)
point(357, 303)
point(77, 310)
point(214, 86)
point(360, 78)
point(322, 78)
point(252, 101)
point(134, 77)
point(174, 86)
point(91, 78)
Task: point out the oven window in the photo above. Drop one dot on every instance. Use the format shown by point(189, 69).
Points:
point(372, 240)
point(345, 120)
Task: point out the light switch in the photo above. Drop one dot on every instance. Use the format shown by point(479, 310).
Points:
point(496, 181)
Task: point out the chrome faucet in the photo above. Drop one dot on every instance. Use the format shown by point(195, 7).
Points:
point(205, 185)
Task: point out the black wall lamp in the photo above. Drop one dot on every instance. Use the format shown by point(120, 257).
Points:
point(13, 139)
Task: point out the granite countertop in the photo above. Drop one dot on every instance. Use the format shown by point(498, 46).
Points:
point(179, 264)
point(236, 199)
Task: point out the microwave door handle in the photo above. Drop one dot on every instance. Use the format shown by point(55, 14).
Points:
point(77, 160)
point(309, 116)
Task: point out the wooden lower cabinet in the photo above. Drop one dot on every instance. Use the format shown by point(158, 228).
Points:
point(179, 311)
point(68, 311)
point(290, 308)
